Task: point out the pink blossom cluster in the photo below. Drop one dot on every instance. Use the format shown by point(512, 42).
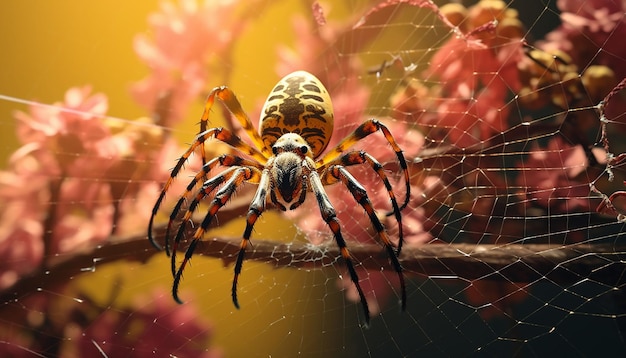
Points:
point(478, 74)
point(591, 32)
point(551, 175)
point(186, 38)
point(78, 178)
point(81, 177)
point(53, 175)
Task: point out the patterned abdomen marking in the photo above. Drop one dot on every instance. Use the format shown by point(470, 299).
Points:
point(300, 104)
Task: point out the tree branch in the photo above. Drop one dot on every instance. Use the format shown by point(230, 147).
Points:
point(561, 264)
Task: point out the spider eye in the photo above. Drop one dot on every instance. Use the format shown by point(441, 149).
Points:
point(304, 149)
point(275, 150)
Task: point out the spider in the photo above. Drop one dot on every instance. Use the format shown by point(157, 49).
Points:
point(285, 162)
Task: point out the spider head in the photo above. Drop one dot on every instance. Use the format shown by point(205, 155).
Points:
point(287, 171)
point(293, 143)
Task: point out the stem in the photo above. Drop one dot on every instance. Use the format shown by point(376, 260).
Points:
point(48, 225)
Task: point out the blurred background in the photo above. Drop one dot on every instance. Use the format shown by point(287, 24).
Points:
point(124, 307)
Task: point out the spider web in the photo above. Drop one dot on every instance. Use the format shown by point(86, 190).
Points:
point(510, 116)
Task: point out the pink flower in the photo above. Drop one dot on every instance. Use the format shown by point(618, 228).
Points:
point(84, 215)
point(75, 114)
point(68, 183)
point(26, 175)
point(550, 176)
point(66, 129)
point(21, 247)
point(67, 142)
point(476, 83)
point(476, 73)
point(592, 32)
point(24, 196)
point(168, 94)
point(186, 37)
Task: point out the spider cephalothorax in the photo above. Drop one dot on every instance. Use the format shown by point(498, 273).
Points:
point(286, 163)
point(292, 161)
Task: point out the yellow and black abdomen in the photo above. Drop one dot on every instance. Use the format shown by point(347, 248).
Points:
point(299, 104)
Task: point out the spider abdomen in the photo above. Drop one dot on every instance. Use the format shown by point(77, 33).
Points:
point(299, 103)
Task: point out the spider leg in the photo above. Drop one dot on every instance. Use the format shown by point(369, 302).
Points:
point(360, 195)
point(257, 206)
point(368, 127)
point(226, 160)
point(239, 176)
point(227, 96)
point(361, 157)
point(206, 189)
point(330, 217)
point(220, 134)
